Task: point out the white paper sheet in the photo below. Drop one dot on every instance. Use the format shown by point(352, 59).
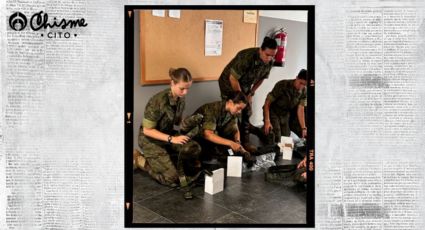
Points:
point(213, 37)
point(174, 13)
point(158, 13)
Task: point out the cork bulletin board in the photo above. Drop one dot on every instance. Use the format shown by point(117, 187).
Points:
point(180, 42)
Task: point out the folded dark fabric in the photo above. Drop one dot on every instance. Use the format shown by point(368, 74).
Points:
point(191, 126)
point(281, 174)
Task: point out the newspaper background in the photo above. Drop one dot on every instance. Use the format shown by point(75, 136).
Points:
point(62, 107)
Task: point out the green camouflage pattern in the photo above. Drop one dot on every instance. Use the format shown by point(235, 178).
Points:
point(169, 159)
point(247, 67)
point(192, 125)
point(283, 98)
point(217, 119)
point(162, 112)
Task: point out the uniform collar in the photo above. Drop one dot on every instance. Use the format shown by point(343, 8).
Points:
point(293, 87)
point(257, 59)
point(223, 109)
point(171, 99)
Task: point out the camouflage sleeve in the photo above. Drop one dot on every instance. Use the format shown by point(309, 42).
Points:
point(239, 66)
point(210, 122)
point(270, 97)
point(152, 114)
point(303, 98)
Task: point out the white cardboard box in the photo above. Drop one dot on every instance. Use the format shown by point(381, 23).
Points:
point(215, 183)
point(234, 166)
point(287, 141)
point(286, 153)
point(286, 146)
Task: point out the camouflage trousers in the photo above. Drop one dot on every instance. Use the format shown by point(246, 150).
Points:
point(211, 150)
point(244, 123)
point(280, 128)
point(168, 160)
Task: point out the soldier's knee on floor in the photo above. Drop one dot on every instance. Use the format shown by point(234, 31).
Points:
point(170, 176)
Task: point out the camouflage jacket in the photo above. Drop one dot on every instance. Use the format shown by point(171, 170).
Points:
point(163, 112)
point(247, 67)
point(285, 97)
point(215, 115)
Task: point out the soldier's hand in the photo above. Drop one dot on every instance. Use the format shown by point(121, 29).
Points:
point(302, 163)
point(180, 140)
point(267, 127)
point(236, 147)
point(304, 175)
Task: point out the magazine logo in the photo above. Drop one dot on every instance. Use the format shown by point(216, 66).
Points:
point(18, 21)
point(56, 28)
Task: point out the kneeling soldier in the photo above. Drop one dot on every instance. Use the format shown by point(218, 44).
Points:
point(220, 128)
point(165, 151)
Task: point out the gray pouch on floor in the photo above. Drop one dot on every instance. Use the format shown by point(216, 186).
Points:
point(264, 161)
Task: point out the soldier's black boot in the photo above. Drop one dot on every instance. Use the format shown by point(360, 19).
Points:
point(249, 147)
point(248, 158)
point(184, 186)
point(246, 143)
point(259, 133)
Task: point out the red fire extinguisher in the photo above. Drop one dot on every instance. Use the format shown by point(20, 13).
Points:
point(280, 37)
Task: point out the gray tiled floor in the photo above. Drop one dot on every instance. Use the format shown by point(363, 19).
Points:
point(249, 199)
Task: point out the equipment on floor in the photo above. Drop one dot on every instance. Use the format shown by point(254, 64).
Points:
point(287, 175)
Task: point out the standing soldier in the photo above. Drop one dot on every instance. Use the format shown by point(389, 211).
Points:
point(285, 96)
point(220, 129)
point(158, 140)
point(245, 73)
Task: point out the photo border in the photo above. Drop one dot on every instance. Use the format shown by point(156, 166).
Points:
point(129, 109)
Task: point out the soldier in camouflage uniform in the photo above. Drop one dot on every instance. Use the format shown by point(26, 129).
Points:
point(158, 140)
point(220, 130)
point(245, 73)
point(285, 96)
